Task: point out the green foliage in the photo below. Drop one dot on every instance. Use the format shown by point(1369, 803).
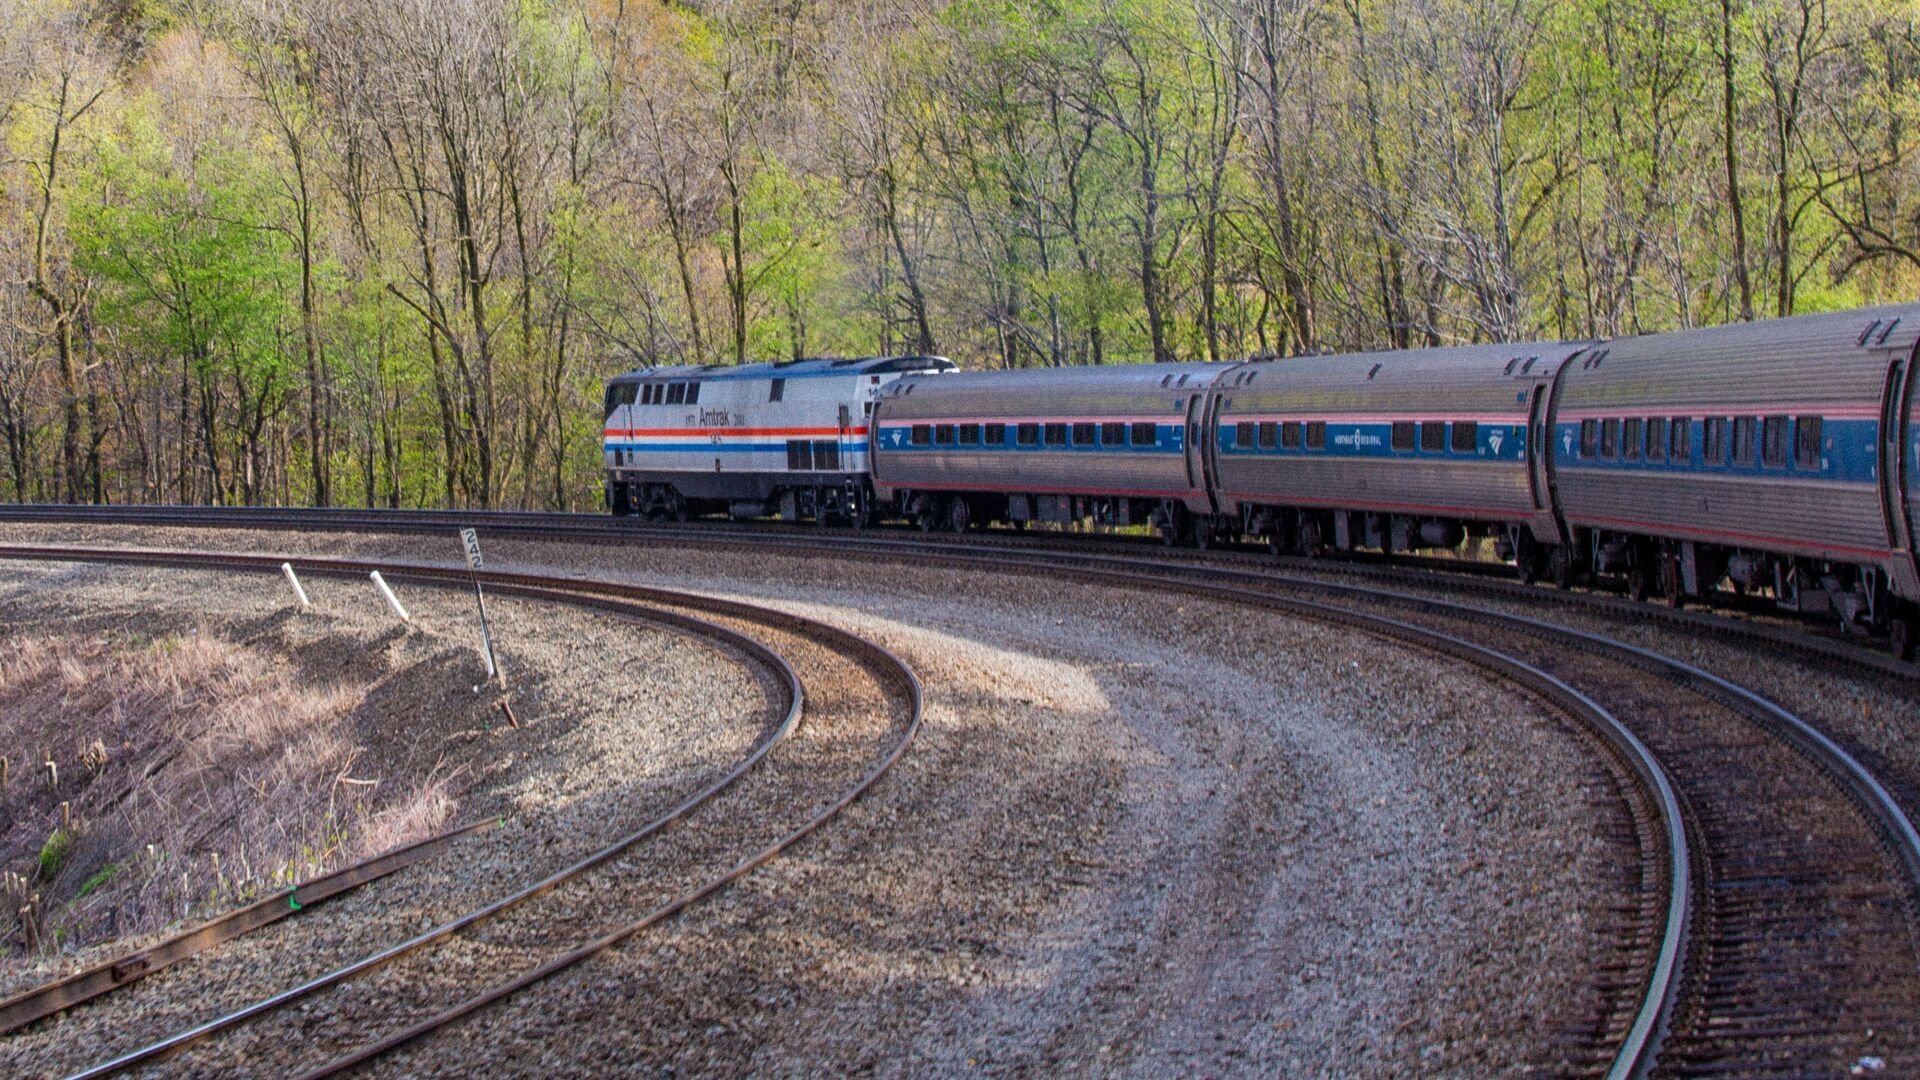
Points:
point(54, 853)
point(99, 878)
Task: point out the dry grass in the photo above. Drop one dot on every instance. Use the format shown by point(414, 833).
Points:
point(195, 774)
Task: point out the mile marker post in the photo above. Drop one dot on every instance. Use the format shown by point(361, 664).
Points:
point(471, 541)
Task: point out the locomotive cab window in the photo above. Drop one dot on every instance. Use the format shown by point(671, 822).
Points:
point(676, 393)
point(1403, 434)
point(1290, 435)
point(1243, 435)
point(1806, 442)
point(1056, 434)
point(1744, 429)
point(1610, 439)
point(1433, 436)
point(1657, 439)
point(1632, 439)
point(1773, 442)
point(1269, 435)
point(969, 434)
point(1316, 434)
point(1113, 433)
point(995, 435)
point(776, 390)
point(1145, 433)
point(1466, 436)
point(922, 435)
point(693, 392)
point(1027, 435)
point(1589, 438)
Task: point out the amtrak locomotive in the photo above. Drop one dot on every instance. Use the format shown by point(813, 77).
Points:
point(1778, 456)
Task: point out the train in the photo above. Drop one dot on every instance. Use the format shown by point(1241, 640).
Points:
point(1777, 458)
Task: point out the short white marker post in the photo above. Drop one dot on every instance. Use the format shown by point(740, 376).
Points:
point(287, 569)
point(392, 600)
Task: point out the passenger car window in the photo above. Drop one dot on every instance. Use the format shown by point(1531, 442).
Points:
point(1433, 435)
point(1589, 438)
point(1056, 434)
point(1744, 428)
point(1290, 435)
point(1609, 439)
point(1466, 436)
point(995, 435)
point(1716, 440)
point(922, 435)
point(1316, 434)
point(1633, 438)
point(943, 434)
point(1773, 442)
point(1113, 433)
point(1027, 435)
point(1403, 434)
point(1806, 442)
point(1083, 433)
point(1269, 435)
point(1680, 441)
point(1657, 438)
point(969, 434)
point(1243, 435)
point(1145, 433)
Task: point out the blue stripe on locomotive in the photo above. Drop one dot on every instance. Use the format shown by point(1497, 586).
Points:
point(1167, 439)
point(1854, 456)
point(1494, 442)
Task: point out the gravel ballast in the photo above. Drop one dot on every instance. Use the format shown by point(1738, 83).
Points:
point(1138, 835)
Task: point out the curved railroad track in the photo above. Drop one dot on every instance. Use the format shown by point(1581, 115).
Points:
point(516, 933)
point(1772, 925)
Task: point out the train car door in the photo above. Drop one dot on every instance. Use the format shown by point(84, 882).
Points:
point(1546, 523)
point(1898, 475)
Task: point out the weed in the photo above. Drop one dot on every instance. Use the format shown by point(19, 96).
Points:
point(53, 854)
point(101, 877)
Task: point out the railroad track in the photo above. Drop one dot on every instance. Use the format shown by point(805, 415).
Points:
point(1747, 620)
point(781, 792)
point(1773, 920)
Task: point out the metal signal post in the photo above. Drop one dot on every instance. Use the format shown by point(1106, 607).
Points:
point(471, 541)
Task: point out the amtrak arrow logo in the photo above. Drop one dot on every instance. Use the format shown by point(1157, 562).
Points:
point(1494, 439)
point(894, 436)
point(1566, 442)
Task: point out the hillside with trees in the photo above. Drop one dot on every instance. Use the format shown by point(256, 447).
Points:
point(384, 253)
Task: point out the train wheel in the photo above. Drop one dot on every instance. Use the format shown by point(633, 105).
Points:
point(1311, 544)
point(1639, 581)
point(959, 515)
point(622, 500)
point(1900, 637)
point(928, 515)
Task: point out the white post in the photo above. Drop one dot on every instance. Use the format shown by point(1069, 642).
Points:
point(392, 600)
point(287, 569)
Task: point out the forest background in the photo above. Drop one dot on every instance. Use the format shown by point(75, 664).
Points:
point(384, 252)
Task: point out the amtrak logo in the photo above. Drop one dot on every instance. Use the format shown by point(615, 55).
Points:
point(1566, 442)
point(893, 437)
point(1494, 439)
